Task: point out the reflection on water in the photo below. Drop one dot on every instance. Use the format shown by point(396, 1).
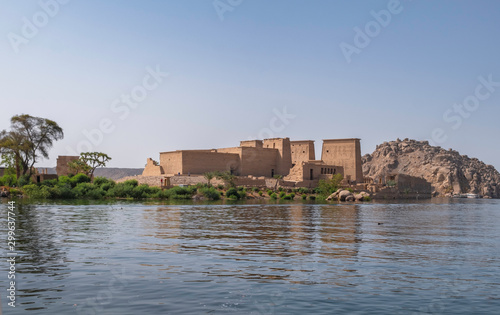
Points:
point(258, 259)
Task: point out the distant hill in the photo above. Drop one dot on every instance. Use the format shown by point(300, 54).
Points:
point(446, 170)
point(113, 173)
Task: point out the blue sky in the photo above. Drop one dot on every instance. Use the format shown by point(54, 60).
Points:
point(227, 78)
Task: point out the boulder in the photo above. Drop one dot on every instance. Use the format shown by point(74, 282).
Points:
point(333, 196)
point(359, 197)
point(4, 191)
point(343, 194)
point(349, 198)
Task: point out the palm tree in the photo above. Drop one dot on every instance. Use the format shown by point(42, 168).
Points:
point(209, 176)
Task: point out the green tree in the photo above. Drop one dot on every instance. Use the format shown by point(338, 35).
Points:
point(226, 177)
point(79, 167)
point(209, 176)
point(327, 187)
point(89, 161)
point(29, 139)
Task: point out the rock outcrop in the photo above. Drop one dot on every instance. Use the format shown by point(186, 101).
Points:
point(446, 170)
point(346, 195)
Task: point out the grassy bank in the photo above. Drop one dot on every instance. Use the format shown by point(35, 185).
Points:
point(81, 187)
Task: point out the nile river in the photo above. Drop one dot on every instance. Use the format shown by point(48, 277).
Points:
point(428, 257)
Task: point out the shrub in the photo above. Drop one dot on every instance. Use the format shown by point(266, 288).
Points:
point(240, 188)
point(287, 197)
point(120, 190)
point(36, 192)
point(328, 187)
point(64, 180)
point(303, 190)
point(15, 192)
point(232, 193)
point(107, 186)
point(292, 195)
point(367, 198)
point(280, 189)
point(179, 192)
point(312, 197)
point(82, 189)
point(282, 194)
point(256, 189)
point(153, 191)
point(269, 192)
point(304, 196)
point(96, 193)
point(220, 187)
point(9, 180)
point(79, 178)
point(161, 194)
point(260, 193)
point(140, 192)
point(26, 180)
point(100, 181)
point(49, 182)
point(391, 183)
point(210, 193)
point(273, 196)
point(132, 182)
point(63, 192)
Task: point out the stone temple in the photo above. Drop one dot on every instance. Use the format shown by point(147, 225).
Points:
point(294, 161)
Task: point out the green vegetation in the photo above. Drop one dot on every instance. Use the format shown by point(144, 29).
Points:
point(210, 193)
point(232, 193)
point(8, 180)
point(304, 196)
point(327, 187)
point(80, 187)
point(209, 176)
point(273, 196)
point(227, 177)
point(28, 140)
point(391, 183)
point(88, 162)
point(303, 190)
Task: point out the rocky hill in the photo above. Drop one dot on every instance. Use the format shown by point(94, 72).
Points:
point(113, 173)
point(446, 170)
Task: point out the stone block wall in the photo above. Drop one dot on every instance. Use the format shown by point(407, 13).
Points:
point(62, 167)
point(345, 153)
point(152, 168)
point(302, 151)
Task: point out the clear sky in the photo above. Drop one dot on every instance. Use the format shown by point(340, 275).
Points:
point(240, 69)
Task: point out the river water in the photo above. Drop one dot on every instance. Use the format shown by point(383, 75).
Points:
point(428, 257)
